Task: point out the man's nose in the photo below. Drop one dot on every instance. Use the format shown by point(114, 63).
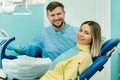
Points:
point(56, 17)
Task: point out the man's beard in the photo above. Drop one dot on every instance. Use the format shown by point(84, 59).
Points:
point(59, 25)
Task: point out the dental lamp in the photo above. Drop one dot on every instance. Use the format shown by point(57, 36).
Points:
point(8, 6)
point(3, 37)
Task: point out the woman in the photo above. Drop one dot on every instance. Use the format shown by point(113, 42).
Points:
point(89, 43)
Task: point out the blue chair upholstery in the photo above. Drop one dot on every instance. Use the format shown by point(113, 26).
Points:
point(107, 47)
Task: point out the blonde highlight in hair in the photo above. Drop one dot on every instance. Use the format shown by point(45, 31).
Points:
point(96, 34)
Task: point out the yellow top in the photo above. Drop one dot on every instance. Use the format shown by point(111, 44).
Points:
point(84, 47)
point(67, 70)
point(1, 79)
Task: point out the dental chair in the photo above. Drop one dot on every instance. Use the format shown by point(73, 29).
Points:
point(22, 67)
point(107, 49)
point(3, 55)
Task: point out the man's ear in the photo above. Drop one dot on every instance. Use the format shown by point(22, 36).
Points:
point(47, 14)
point(64, 12)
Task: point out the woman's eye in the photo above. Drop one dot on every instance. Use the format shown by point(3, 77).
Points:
point(86, 32)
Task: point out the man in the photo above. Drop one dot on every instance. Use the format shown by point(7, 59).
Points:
point(52, 40)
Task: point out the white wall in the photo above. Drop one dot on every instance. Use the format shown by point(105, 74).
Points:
point(78, 11)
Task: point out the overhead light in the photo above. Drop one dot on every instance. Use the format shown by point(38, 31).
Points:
point(8, 6)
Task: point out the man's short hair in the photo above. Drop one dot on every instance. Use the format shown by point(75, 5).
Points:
point(52, 5)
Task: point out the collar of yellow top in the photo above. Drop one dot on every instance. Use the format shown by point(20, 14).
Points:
point(84, 47)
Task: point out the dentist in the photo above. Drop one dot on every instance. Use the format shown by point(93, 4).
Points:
point(53, 40)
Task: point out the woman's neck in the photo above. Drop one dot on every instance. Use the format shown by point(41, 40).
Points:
point(83, 47)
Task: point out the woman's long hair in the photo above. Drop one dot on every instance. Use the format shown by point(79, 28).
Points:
point(96, 34)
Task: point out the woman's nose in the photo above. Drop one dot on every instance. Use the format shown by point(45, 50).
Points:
point(81, 34)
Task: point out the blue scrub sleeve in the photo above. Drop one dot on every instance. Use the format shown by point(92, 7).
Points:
point(66, 55)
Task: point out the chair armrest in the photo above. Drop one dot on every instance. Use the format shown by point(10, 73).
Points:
point(92, 69)
point(3, 55)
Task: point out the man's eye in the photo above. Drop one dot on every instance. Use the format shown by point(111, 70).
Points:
point(52, 15)
point(59, 14)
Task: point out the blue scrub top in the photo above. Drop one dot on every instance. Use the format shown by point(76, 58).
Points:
point(50, 43)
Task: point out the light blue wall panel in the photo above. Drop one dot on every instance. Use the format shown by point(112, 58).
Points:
point(115, 33)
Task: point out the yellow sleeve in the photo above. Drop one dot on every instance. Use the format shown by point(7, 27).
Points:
point(1, 79)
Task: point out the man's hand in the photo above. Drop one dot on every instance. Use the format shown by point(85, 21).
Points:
point(11, 47)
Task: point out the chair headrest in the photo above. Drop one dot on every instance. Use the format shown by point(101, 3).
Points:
point(109, 45)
